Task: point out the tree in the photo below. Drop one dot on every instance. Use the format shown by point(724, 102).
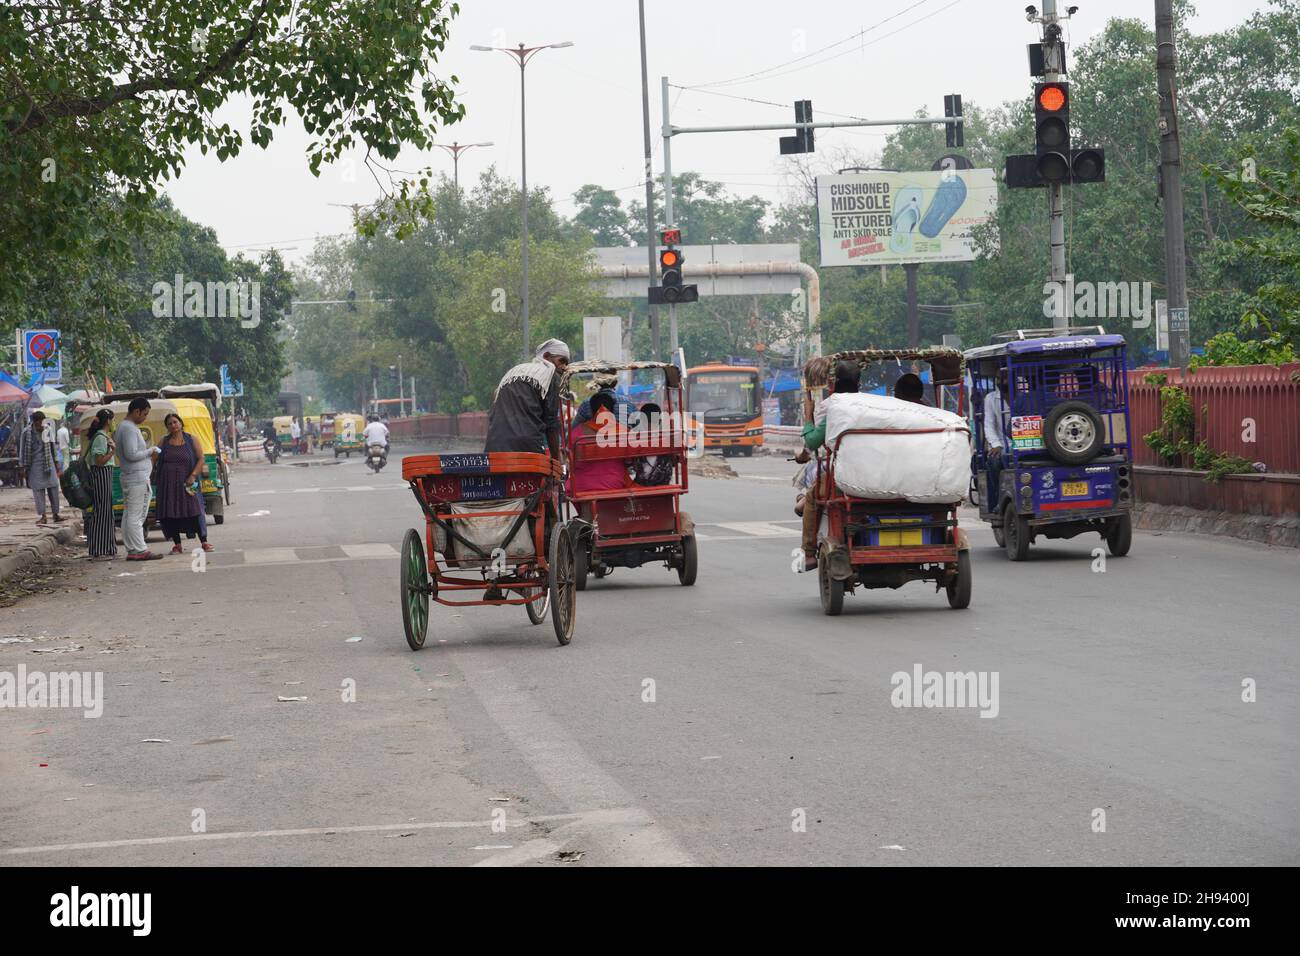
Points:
point(600, 212)
point(98, 102)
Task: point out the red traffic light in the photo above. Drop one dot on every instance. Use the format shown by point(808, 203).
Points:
point(669, 258)
point(1051, 97)
point(671, 237)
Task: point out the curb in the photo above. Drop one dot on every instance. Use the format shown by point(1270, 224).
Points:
point(29, 552)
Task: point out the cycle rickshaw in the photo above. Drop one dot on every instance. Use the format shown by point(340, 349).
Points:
point(885, 541)
point(493, 526)
point(639, 523)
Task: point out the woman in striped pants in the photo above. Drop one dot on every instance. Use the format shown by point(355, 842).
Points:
point(100, 536)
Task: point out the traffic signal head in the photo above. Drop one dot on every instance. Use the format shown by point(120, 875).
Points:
point(670, 289)
point(802, 140)
point(670, 268)
point(1088, 166)
point(1052, 131)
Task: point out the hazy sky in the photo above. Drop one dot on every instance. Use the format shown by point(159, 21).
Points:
point(584, 102)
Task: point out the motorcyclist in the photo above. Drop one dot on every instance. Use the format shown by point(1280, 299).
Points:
point(376, 433)
point(268, 437)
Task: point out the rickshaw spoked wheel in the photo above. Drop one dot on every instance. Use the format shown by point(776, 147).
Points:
point(415, 589)
point(537, 609)
point(959, 587)
point(562, 582)
point(832, 590)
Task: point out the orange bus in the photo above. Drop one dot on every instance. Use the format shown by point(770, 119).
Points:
point(726, 399)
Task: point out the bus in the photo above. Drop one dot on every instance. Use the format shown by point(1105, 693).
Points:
point(726, 399)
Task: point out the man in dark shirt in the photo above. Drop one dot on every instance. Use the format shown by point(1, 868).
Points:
point(525, 413)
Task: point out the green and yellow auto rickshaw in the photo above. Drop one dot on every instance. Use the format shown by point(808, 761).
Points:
point(347, 434)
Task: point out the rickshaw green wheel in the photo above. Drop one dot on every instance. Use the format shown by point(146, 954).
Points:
point(537, 609)
point(562, 583)
point(959, 587)
point(690, 562)
point(1015, 529)
point(832, 590)
point(1119, 535)
point(415, 590)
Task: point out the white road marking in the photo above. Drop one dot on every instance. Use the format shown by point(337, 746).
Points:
point(759, 529)
point(360, 488)
point(299, 491)
point(627, 832)
point(369, 550)
point(268, 492)
point(269, 555)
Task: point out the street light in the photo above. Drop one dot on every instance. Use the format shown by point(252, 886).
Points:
point(455, 149)
point(523, 54)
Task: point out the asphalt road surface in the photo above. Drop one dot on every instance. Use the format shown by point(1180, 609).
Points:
point(1120, 733)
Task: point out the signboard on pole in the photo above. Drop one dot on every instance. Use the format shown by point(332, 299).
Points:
point(40, 352)
point(230, 388)
point(892, 218)
point(1162, 325)
point(602, 338)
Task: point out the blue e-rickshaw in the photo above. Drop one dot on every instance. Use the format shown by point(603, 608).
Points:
point(1066, 464)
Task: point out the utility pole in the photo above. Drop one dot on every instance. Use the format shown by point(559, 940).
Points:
point(1053, 59)
point(913, 313)
point(1171, 186)
point(668, 209)
point(651, 242)
point(401, 390)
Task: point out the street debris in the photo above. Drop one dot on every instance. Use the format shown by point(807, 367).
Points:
point(353, 640)
point(570, 856)
point(286, 700)
point(155, 740)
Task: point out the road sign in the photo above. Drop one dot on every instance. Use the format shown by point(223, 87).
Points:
point(1162, 325)
point(602, 338)
point(41, 352)
point(230, 388)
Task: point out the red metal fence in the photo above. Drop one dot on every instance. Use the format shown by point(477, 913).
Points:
point(440, 425)
point(1227, 401)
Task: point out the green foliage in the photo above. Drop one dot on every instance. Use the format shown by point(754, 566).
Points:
point(1227, 348)
point(1174, 441)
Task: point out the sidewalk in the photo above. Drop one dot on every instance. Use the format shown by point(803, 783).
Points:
point(22, 541)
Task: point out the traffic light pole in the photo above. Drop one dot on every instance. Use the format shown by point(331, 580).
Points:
point(1171, 186)
point(669, 131)
point(649, 184)
point(1055, 191)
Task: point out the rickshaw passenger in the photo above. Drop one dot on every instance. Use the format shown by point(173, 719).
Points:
point(525, 413)
point(848, 379)
point(624, 410)
point(910, 388)
point(995, 410)
point(651, 469)
point(608, 474)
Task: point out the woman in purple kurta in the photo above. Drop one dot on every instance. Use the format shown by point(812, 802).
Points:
point(179, 504)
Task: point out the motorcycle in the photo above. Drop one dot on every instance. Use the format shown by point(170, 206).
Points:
point(272, 451)
point(376, 457)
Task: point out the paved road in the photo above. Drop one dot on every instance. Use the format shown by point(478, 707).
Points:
point(1118, 691)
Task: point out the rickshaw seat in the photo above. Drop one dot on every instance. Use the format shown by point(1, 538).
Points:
point(481, 463)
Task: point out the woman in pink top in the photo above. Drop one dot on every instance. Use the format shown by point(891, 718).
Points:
point(601, 475)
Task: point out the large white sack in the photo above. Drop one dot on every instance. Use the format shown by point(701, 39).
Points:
point(487, 533)
point(929, 468)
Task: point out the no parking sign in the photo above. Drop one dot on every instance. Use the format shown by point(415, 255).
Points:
point(41, 351)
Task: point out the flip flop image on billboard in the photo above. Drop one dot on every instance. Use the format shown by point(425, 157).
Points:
point(907, 213)
point(947, 200)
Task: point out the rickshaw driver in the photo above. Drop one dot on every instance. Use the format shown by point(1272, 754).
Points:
point(848, 378)
point(995, 410)
point(525, 413)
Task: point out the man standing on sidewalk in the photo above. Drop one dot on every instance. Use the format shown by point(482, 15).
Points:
point(135, 459)
point(38, 458)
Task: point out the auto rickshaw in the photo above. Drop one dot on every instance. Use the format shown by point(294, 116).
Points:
point(1066, 464)
point(283, 432)
point(639, 523)
point(195, 420)
point(885, 542)
point(347, 434)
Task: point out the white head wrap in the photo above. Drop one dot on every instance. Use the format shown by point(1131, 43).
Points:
point(554, 347)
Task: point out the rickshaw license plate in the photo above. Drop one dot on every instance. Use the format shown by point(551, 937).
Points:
point(1074, 489)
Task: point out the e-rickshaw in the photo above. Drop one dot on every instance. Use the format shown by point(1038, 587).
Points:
point(884, 543)
point(497, 515)
point(194, 419)
point(216, 491)
point(347, 434)
point(1066, 464)
point(637, 524)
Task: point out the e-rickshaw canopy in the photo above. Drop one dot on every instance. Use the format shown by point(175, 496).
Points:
point(946, 364)
point(672, 374)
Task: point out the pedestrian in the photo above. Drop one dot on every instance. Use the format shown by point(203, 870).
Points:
point(38, 459)
point(180, 505)
point(64, 440)
point(135, 463)
point(101, 539)
point(295, 430)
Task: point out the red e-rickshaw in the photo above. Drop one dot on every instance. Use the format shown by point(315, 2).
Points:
point(637, 523)
point(884, 543)
point(494, 535)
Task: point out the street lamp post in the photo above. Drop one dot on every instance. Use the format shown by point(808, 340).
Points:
point(455, 149)
point(523, 54)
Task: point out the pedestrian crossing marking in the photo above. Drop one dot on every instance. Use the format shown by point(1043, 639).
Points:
point(759, 529)
point(369, 550)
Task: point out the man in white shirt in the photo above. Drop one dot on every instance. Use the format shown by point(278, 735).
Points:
point(64, 440)
point(295, 432)
point(995, 412)
point(376, 433)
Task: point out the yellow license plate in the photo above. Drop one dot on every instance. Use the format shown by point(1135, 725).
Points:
point(1074, 489)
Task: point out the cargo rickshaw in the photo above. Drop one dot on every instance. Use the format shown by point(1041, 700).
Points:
point(884, 541)
point(639, 523)
point(1066, 465)
point(347, 434)
point(494, 535)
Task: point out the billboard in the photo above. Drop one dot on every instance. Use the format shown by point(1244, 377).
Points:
point(889, 218)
